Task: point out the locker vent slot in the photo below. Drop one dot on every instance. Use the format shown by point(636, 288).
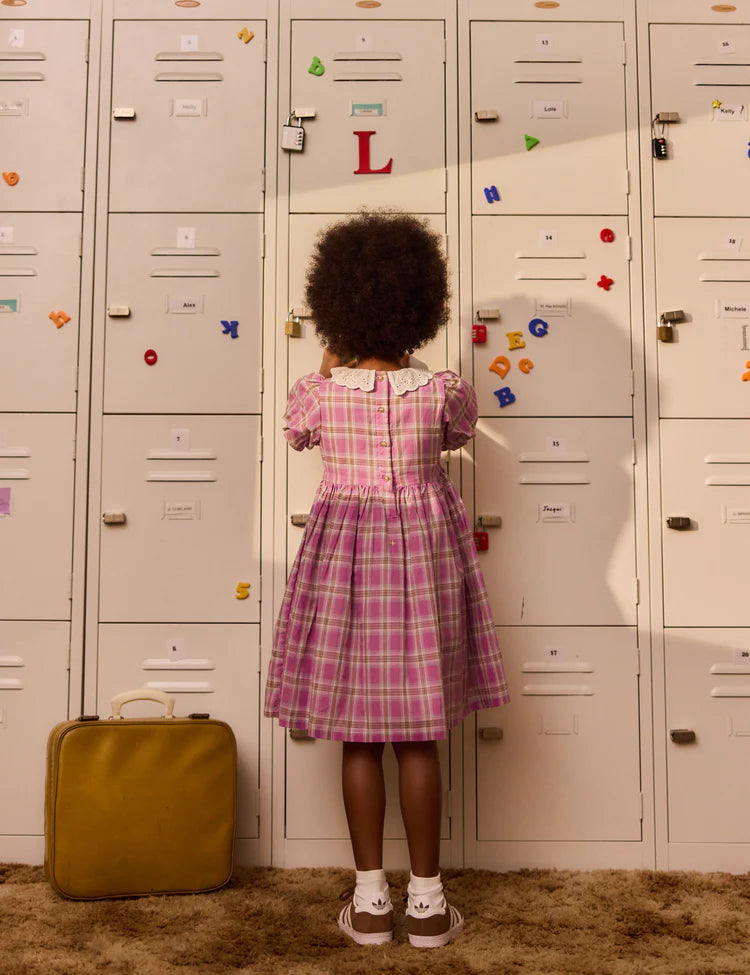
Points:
point(185, 252)
point(548, 255)
point(21, 76)
point(165, 663)
point(198, 272)
point(736, 276)
point(162, 454)
point(560, 667)
point(11, 685)
point(14, 475)
point(560, 690)
point(367, 56)
point(721, 64)
point(553, 457)
point(721, 257)
point(15, 452)
point(368, 76)
point(188, 76)
point(724, 480)
point(737, 691)
point(16, 249)
point(17, 272)
point(181, 686)
point(554, 479)
point(189, 56)
point(22, 56)
point(542, 79)
point(719, 459)
point(181, 476)
point(548, 59)
point(547, 276)
point(11, 661)
point(721, 83)
point(727, 669)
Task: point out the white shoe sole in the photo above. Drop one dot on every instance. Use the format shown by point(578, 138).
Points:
point(361, 937)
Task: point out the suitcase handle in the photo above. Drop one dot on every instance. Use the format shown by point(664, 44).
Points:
point(143, 694)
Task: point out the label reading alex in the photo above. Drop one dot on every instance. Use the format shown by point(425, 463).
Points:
point(185, 304)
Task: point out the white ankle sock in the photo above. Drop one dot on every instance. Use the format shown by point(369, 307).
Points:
point(425, 896)
point(370, 886)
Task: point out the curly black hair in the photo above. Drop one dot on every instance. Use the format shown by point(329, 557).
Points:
point(377, 285)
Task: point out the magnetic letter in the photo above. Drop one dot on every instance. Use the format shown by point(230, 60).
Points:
point(525, 365)
point(500, 365)
point(230, 328)
point(538, 327)
point(515, 340)
point(504, 396)
point(364, 156)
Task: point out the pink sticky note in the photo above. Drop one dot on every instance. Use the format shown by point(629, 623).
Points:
point(5, 501)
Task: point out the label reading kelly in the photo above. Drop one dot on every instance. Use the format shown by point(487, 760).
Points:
point(731, 309)
point(737, 516)
point(16, 106)
point(188, 106)
point(559, 513)
point(554, 309)
point(4, 502)
point(545, 109)
point(182, 511)
point(729, 113)
point(185, 304)
point(176, 648)
point(9, 305)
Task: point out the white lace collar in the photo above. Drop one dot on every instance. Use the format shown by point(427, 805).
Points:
point(401, 380)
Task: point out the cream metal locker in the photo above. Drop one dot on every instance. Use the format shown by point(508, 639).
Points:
point(703, 274)
point(208, 669)
point(33, 697)
point(561, 762)
point(40, 270)
point(187, 288)
point(188, 116)
point(552, 299)
point(180, 519)
point(36, 515)
point(43, 78)
point(548, 107)
point(372, 96)
point(706, 485)
point(708, 736)
point(564, 552)
point(700, 72)
point(313, 770)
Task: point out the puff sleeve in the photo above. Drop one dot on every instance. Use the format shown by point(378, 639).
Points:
point(302, 417)
point(459, 411)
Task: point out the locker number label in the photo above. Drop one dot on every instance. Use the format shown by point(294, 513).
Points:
point(726, 46)
point(544, 42)
point(554, 653)
point(189, 42)
point(179, 438)
point(548, 238)
point(555, 445)
point(6, 235)
point(16, 38)
point(176, 649)
point(732, 242)
point(186, 236)
point(741, 655)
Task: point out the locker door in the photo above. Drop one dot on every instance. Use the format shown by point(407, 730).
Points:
point(700, 72)
point(189, 287)
point(557, 341)
point(703, 269)
point(36, 515)
point(213, 669)
point(561, 762)
point(188, 488)
point(315, 809)
point(188, 120)
point(708, 693)
point(383, 83)
point(33, 698)
point(39, 301)
point(43, 73)
point(706, 478)
point(564, 553)
point(562, 84)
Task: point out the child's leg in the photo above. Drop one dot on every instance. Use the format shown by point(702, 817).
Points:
point(420, 793)
point(363, 788)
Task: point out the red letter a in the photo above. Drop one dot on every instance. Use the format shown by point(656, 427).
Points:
point(364, 156)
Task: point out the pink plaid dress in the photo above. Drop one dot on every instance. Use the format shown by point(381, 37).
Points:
point(385, 631)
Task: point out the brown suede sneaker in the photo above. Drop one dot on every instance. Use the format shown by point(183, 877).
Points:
point(432, 929)
point(368, 923)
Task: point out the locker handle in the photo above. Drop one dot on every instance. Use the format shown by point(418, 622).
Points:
point(181, 686)
point(185, 252)
point(736, 691)
point(682, 736)
point(368, 76)
point(728, 276)
point(723, 459)
point(725, 481)
point(11, 685)
point(299, 734)
point(706, 256)
point(16, 249)
point(194, 663)
point(367, 56)
point(553, 457)
point(538, 276)
point(188, 76)
point(491, 734)
point(22, 56)
point(560, 690)
point(22, 76)
point(721, 83)
point(15, 452)
point(560, 667)
point(189, 56)
point(14, 475)
point(542, 79)
point(721, 64)
point(161, 454)
point(548, 59)
point(198, 272)
point(181, 476)
point(17, 272)
point(727, 669)
point(11, 661)
point(554, 479)
point(548, 256)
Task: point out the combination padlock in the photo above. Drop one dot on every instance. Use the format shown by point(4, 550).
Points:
point(292, 135)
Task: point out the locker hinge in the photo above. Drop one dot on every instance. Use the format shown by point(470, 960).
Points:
point(265, 51)
point(75, 390)
point(632, 393)
point(260, 450)
point(446, 238)
point(634, 452)
point(637, 592)
point(263, 180)
point(445, 50)
point(255, 802)
point(448, 804)
point(80, 244)
point(624, 52)
point(640, 804)
point(630, 248)
point(83, 177)
point(88, 49)
point(627, 182)
point(74, 435)
point(262, 378)
point(637, 663)
point(446, 181)
point(263, 247)
point(260, 589)
point(70, 588)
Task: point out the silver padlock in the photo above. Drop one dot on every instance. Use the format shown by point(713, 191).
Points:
point(292, 135)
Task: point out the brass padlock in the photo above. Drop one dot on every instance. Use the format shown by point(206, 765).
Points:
point(293, 325)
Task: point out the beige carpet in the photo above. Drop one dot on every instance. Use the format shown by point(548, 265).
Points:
point(278, 922)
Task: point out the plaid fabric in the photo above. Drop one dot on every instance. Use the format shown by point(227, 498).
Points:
point(385, 631)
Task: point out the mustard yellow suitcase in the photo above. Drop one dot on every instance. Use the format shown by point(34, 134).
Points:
point(138, 806)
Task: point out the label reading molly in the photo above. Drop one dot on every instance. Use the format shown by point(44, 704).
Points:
point(188, 107)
